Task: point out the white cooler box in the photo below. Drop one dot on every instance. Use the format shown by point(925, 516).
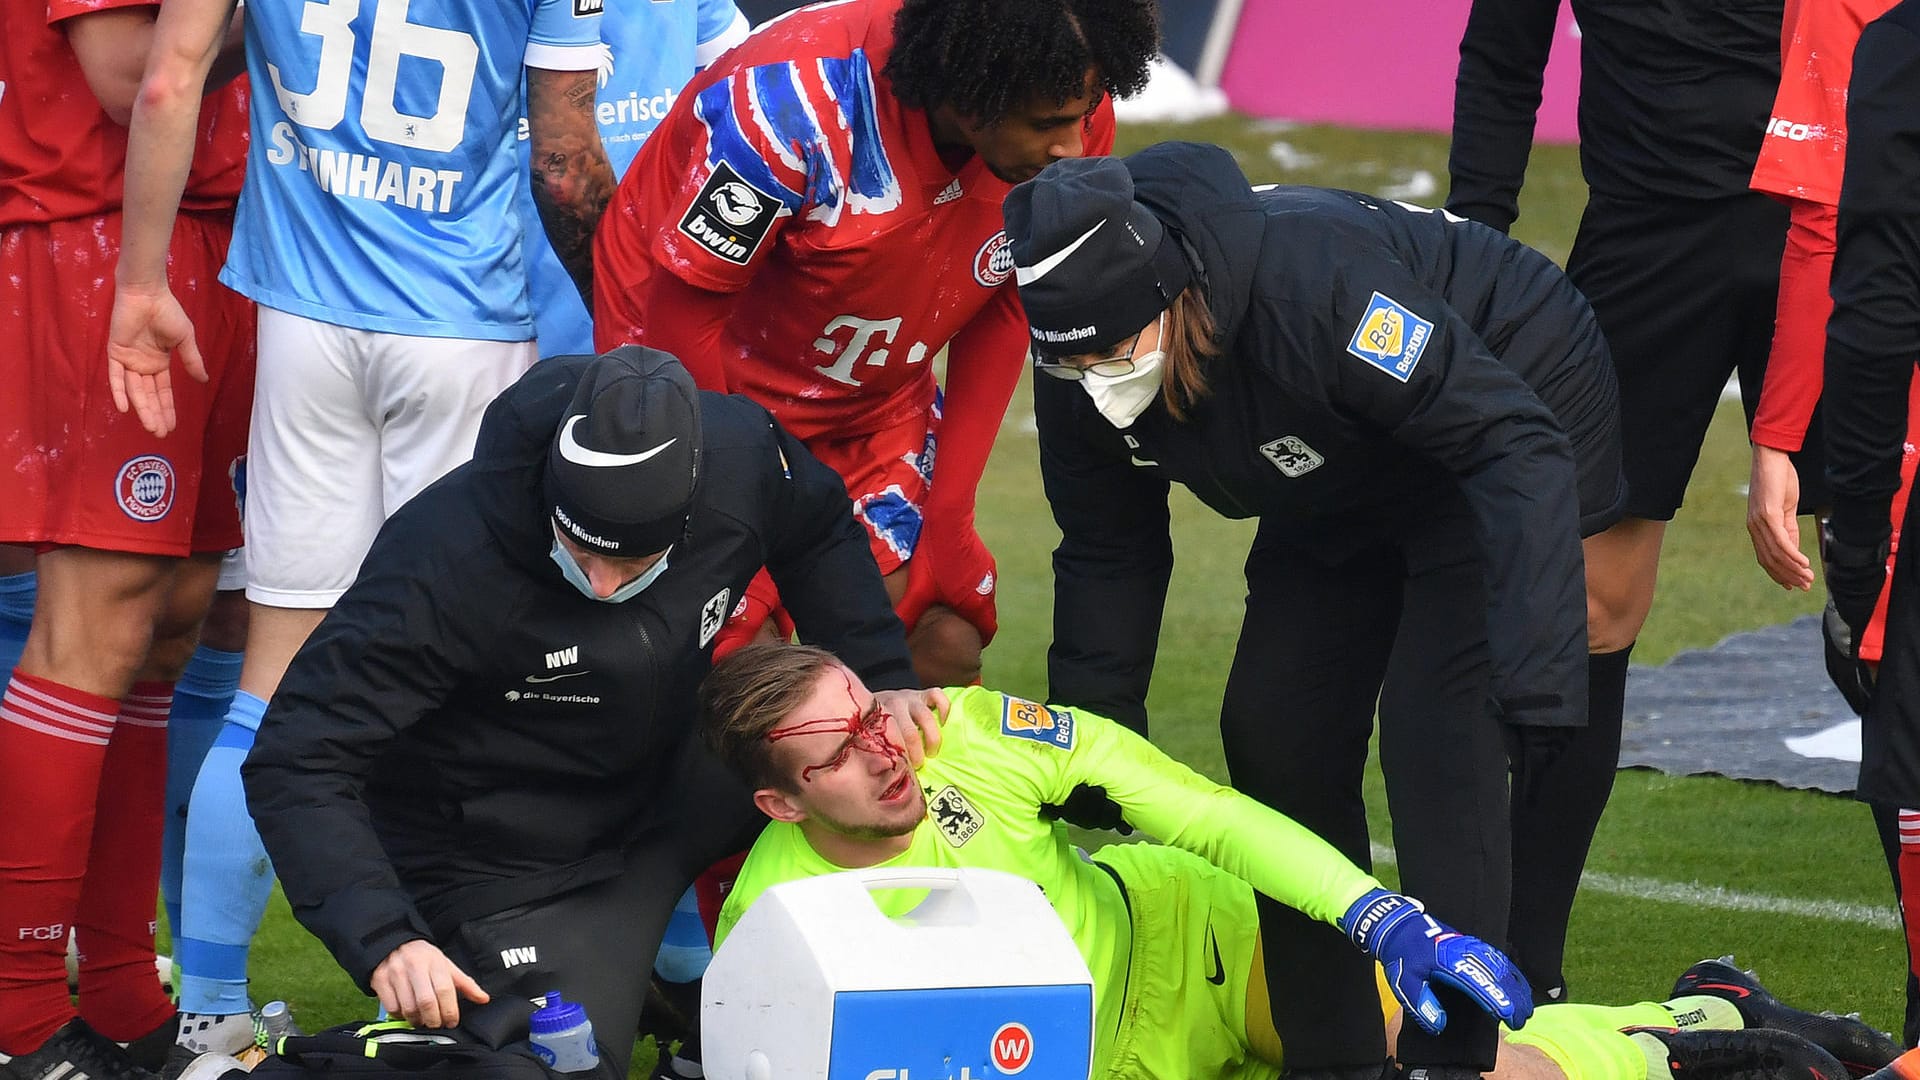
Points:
point(979, 981)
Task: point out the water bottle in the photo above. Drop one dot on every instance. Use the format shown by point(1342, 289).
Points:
point(563, 1036)
point(276, 1023)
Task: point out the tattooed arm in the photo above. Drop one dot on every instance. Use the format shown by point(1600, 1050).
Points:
point(572, 180)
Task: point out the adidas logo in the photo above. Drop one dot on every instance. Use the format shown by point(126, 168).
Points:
point(948, 193)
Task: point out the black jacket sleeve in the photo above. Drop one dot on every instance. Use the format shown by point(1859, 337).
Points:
point(819, 558)
point(1503, 61)
point(1461, 407)
point(384, 657)
point(1115, 556)
point(1873, 337)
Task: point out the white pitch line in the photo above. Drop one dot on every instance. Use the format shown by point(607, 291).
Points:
point(1718, 897)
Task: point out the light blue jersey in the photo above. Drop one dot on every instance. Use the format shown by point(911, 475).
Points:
point(381, 182)
point(657, 45)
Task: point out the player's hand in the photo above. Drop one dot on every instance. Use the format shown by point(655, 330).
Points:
point(418, 982)
point(952, 566)
point(1773, 503)
point(148, 324)
point(917, 716)
point(1420, 954)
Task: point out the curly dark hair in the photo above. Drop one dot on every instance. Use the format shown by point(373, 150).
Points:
point(986, 58)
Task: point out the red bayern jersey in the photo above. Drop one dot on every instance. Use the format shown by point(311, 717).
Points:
point(1805, 148)
point(1801, 162)
point(61, 156)
point(791, 177)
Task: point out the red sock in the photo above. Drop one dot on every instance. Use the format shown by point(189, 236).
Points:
point(1910, 884)
point(53, 741)
point(120, 996)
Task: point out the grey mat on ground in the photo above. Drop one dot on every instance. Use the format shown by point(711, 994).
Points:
point(1757, 706)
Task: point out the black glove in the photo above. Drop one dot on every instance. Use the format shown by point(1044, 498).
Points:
point(1089, 807)
point(1532, 750)
point(1855, 575)
point(1850, 674)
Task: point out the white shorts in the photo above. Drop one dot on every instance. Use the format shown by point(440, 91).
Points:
point(347, 425)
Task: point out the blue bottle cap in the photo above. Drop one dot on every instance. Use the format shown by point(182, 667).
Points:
point(556, 1015)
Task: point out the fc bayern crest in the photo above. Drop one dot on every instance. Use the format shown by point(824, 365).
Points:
point(144, 488)
point(993, 263)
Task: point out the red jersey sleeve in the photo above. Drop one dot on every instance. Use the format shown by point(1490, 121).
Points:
point(60, 10)
point(983, 366)
point(754, 150)
point(696, 334)
point(1805, 147)
point(1796, 365)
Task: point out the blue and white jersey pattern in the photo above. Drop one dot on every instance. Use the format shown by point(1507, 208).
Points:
point(654, 48)
point(381, 182)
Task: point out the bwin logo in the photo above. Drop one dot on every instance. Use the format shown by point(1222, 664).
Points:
point(735, 203)
point(525, 954)
point(568, 655)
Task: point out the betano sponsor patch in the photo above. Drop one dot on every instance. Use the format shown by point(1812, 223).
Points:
point(1023, 719)
point(1390, 337)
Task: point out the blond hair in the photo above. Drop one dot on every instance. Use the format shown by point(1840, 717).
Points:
point(746, 696)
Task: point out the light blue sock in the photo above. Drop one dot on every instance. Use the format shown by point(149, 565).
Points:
point(200, 702)
point(684, 953)
point(226, 877)
point(16, 615)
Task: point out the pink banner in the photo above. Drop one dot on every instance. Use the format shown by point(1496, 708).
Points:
point(1374, 64)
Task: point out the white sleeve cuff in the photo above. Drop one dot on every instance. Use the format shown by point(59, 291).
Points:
point(563, 57)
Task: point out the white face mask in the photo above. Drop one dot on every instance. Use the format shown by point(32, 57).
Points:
point(578, 578)
point(1122, 398)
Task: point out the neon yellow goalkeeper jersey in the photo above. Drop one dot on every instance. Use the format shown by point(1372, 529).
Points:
point(1001, 758)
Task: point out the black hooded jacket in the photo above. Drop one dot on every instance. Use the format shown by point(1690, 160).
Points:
point(466, 731)
point(1310, 430)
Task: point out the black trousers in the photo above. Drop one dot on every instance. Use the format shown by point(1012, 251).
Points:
point(1403, 624)
point(596, 943)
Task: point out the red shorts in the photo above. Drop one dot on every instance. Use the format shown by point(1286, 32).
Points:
point(78, 471)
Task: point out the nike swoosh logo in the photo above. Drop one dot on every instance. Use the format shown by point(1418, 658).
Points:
point(1027, 275)
point(556, 678)
point(1736, 991)
point(580, 455)
point(1219, 976)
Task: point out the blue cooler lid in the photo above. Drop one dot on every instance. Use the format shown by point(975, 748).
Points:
point(557, 1015)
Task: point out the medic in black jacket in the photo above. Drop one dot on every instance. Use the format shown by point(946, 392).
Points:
point(494, 714)
point(1873, 342)
point(1421, 414)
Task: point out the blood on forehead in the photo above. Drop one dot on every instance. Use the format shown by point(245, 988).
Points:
point(870, 731)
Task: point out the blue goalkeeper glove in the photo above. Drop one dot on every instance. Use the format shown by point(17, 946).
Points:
point(1419, 953)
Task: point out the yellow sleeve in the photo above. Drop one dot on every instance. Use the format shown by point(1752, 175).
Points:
point(1163, 798)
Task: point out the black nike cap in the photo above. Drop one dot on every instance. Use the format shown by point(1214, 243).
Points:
point(1093, 265)
point(625, 461)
